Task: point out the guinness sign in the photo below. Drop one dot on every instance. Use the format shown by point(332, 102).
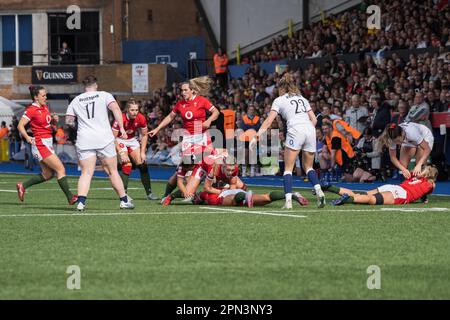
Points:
point(54, 75)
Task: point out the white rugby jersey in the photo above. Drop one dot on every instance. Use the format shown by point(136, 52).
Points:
point(91, 110)
point(414, 133)
point(294, 109)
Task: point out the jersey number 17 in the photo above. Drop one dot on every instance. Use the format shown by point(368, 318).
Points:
point(90, 115)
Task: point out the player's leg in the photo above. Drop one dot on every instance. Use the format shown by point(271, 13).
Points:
point(380, 198)
point(338, 190)
point(110, 166)
point(144, 173)
point(55, 165)
point(290, 156)
point(87, 166)
point(308, 162)
point(171, 185)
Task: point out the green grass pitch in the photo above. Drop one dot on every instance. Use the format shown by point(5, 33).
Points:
point(195, 252)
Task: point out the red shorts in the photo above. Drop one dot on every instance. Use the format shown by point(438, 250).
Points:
point(211, 199)
point(43, 148)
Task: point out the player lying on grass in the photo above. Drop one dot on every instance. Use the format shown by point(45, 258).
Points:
point(239, 197)
point(408, 191)
point(224, 188)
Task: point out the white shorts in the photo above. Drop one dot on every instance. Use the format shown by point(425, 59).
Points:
point(128, 145)
point(230, 192)
point(104, 153)
point(302, 138)
point(42, 148)
point(397, 191)
point(189, 141)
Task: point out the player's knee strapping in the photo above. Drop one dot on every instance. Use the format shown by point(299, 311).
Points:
point(126, 168)
point(379, 200)
point(239, 197)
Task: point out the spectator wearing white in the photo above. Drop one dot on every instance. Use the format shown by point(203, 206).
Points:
point(356, 116)
point(420, 111)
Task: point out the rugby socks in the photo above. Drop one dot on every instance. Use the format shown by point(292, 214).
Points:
point(312, 176)
point(82, 199)
point(288, 185)
point(276, 195)
point(169, 189)
point(145, 178)
point(177, 194)
point(239, 198)
point(125, 178)
point(333, 189)
point(64, 185)
point(36, 179)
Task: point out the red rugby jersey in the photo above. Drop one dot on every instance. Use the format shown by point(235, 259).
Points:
point(131, 126)
point(416, 188)
point(40, 120)
point(193, 113)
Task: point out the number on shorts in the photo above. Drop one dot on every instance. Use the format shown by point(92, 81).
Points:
point(90, 115)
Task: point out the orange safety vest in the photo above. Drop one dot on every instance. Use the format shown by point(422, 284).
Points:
point(229, 123)
point(250, 122)
point(345, 145)
point(355, 133)
point(220, 63)
point(60, 136)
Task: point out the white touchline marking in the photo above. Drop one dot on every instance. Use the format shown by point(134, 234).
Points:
point(416, 209)
point(254, 212)
point(125, 213)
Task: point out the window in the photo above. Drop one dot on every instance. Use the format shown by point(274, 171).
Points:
point(16, 42)
point(84, 43)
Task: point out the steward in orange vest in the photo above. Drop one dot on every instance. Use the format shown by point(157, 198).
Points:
point(339, 145)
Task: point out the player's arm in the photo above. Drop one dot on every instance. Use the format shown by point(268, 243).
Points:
point(70, 120)
point(213, 117)
point(208, 185)
point(181, 186)
point(21, 127)
point(167, 120)
point(115, 109)
point(312, 117)
point(397, 164)
point(426, 152)
point(266, 124)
